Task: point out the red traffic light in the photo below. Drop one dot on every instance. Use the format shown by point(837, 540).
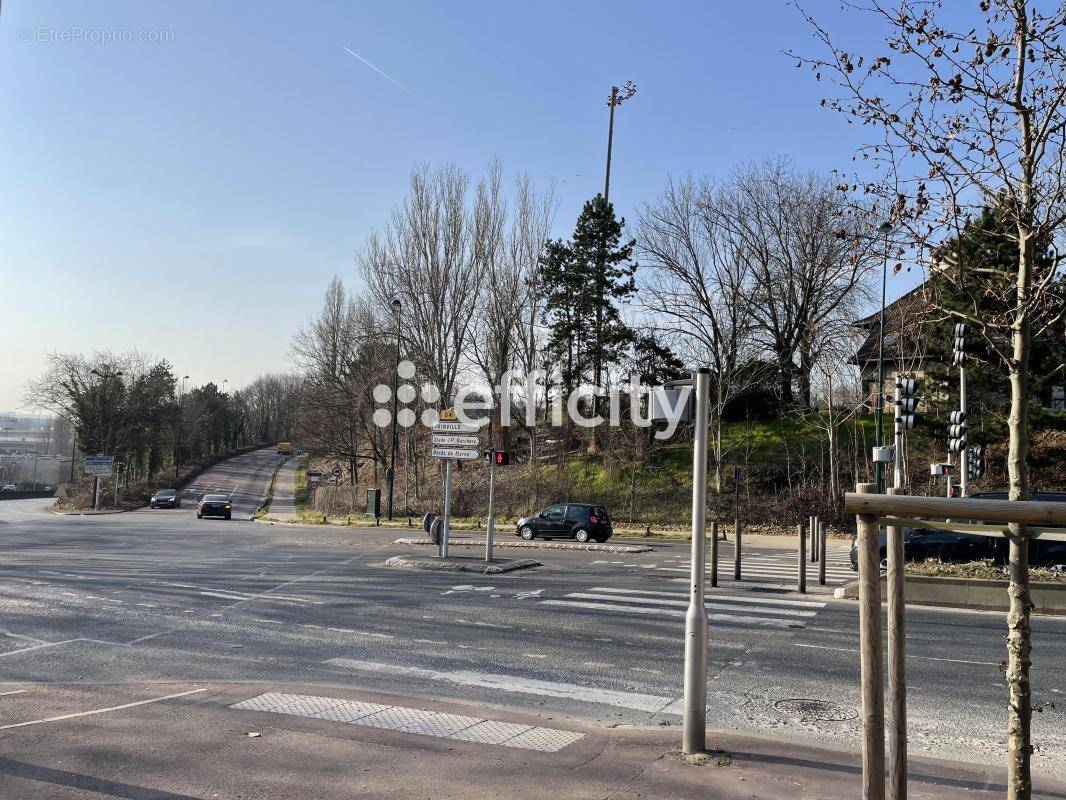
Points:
point(503, 458)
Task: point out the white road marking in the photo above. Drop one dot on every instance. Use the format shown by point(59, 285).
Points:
point(923, 658)
point(516, 684)
point(670, 612)
point(762, 601)
point(16, 691)
point(656, 601)
point(100, 710)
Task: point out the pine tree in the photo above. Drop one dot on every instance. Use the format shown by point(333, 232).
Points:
point(587, 280)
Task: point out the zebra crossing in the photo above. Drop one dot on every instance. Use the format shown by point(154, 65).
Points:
point(759, 569)
point(744, 610)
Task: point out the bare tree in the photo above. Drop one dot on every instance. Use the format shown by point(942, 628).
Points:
point(697, 288)
point(966, 117)
point(809, 256)
point(428, 258)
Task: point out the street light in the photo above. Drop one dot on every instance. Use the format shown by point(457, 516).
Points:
point(390, 473)
point(177, 455)
point(885, 228)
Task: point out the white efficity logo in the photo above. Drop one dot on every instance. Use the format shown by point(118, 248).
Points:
point(646, 404)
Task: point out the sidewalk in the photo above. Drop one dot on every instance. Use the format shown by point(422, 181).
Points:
point(283, 503)
point(150, 743)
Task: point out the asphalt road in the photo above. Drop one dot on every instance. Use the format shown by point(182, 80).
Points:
point(161, 596)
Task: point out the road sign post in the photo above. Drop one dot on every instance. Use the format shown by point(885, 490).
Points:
point(694, 723)
point(446, 527)
point(490, 528)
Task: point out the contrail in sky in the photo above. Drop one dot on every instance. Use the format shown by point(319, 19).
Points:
point(378, 71)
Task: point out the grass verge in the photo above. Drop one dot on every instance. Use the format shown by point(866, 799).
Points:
point(265, 507)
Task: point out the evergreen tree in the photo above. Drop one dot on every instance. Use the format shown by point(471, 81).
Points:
point(974, 276)
point(587, 279)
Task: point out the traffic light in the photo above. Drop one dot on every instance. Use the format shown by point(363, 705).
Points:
point(501, 458)
point(959, 349)
point(906, 403)
point(957, 432)
point(975, 465)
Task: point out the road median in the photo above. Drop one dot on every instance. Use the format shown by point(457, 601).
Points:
point(591, 546)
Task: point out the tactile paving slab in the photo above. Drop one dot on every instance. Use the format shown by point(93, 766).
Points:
point(413, 720)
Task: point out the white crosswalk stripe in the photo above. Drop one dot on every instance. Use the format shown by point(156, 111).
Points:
point(746, 610)
point(773, 567)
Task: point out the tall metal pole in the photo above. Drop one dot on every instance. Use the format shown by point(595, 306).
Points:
point(181, 424)
point(964, 456)
point(390, 473)
point(446, 527)
point(694, 724)
point(897, 456)
point(610, 143)
point(884, 228)
point(490, 529)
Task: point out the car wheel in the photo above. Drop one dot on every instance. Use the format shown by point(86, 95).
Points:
point(228, 516)
point(581, 535)
point(527, 533)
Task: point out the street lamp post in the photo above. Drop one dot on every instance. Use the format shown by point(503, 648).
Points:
point(390, 474)
point(885, 228)
point(177, 454)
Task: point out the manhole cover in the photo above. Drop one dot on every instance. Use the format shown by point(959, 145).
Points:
point(816, 710)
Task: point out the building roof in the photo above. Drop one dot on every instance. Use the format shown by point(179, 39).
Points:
point(902, 316)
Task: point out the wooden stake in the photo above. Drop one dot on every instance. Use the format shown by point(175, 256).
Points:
point(897, 666)
point(871, 655)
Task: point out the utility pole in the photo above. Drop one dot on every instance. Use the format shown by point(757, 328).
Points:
point(390, 473)
point(619, 94)
point(181, 422)
point(694, 723)
point(885, 228)
point(490, 528)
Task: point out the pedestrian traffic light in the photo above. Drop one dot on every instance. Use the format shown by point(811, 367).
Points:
point(957, 432)
point(501, 458)
point(906, 403)
point(959, 349)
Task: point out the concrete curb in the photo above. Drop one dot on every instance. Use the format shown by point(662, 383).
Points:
point(86, 513)
point(596, 548)
point(975, 593)
point(461, 565)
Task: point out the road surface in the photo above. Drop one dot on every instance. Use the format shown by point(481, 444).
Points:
point(160, 596)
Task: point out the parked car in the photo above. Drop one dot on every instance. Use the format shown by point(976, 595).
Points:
point(285, 448)
point(921, 544)
point(9, 487)
point(214, 505)
point(165, 498)
point(578, 521)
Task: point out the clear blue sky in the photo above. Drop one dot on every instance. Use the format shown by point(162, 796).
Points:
point(192, 198)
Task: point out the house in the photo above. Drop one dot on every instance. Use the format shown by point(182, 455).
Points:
point(904, 318)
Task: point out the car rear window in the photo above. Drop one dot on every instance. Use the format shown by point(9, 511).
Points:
point(600, 512)
point(216, 498)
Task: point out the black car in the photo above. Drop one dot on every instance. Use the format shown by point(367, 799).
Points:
point(921, 544)
point(578, 521)
point(214, 505)
point(165, 498)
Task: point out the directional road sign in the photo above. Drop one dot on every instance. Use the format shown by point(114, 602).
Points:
point(456, 440)
point(99, 466)
point(457, 453)
point(455, 427)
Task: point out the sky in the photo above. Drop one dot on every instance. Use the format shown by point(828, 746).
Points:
point(191, 195)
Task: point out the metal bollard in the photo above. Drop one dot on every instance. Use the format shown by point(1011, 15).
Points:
point(801, 578)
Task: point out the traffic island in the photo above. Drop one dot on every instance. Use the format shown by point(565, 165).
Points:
point(536, 545)
point(497, 566)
